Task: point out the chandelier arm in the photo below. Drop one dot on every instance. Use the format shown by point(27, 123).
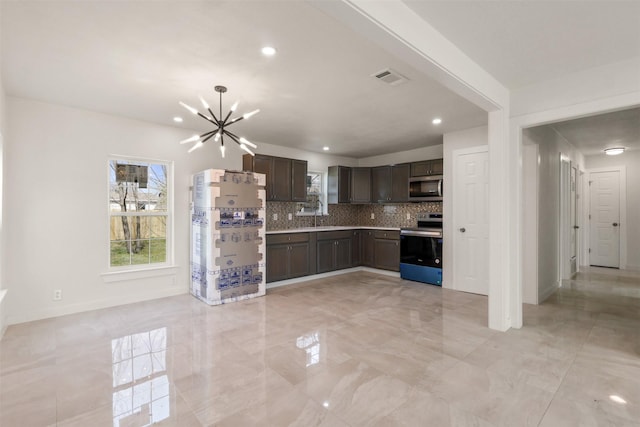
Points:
point(208, 133)
point(215, 119)
point(208, 118)
point(237, 119)
point(232, 136)
point(208, 138)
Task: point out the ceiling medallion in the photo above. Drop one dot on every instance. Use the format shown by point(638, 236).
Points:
point(220, 124)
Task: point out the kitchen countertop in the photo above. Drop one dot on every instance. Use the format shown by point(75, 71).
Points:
point(331, 228)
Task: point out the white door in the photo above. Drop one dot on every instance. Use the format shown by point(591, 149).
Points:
point(604, 213)
point(471, 221)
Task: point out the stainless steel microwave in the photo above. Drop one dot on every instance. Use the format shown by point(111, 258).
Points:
point(425, 188)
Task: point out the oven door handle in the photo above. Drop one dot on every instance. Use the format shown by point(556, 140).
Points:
point(421, 233)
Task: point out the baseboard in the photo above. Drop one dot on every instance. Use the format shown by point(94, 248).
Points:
point(330, 274)
point(93, 305)
point(546, 293)
point(3, 316)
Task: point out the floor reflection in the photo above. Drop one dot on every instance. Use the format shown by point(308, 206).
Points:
point(310, 343)
point(141, 386)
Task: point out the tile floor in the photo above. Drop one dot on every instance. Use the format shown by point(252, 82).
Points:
point(353, 350)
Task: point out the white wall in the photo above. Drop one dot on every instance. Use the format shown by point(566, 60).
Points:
point(454, 141)
point(630, 159)
point(550, 145)
point(3, 132)
point(423, 153)
point(56, 224)
point(612, 80)
point(530, 180)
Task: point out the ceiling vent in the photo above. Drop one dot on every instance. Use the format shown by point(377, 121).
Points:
point(390, 76)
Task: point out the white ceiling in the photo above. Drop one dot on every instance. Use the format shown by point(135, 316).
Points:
point(138, 59)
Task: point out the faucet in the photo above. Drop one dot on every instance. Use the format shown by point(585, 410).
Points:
point(315, 213)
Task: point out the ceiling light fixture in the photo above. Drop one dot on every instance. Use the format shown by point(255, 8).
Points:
point(614, 151)
point(268, 51)
point(177, 119)
point(617, 399)
point(325, 148)
point(436, 121)
point(221, 124)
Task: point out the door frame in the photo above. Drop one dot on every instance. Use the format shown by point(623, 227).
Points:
point(622, 170)
point(564, 235)
point(455, 154)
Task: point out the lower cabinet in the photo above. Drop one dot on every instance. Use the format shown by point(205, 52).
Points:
point(334, 250)
point(386, 250)
point(368, 246)
point(290, 255)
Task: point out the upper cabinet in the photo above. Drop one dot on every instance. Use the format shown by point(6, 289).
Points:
point(360, 185)
point(390, 183)
point(427, 167)
point(348, 185)
point(286, 178)
point(339, 185)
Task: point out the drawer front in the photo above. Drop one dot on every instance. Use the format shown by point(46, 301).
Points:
point(278, 239)
point(386, 234)
point(334, 235)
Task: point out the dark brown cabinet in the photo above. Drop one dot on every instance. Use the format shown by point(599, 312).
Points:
point(360, 185)
point(427, 167)
point(368, 246)
point(286, 178)
point(333, 250)
point(298, 180)
point(339, 185)
point(386, 250)
point(290, 255)
point(356, 247)
point(390, 183)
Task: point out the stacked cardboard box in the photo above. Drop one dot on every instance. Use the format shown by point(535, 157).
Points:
point(227, 236)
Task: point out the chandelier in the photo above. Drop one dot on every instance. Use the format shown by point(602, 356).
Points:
point(220, 124)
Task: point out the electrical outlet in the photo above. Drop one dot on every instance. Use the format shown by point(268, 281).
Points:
point(373, 216)
point(290, 216)
point(57, 295)
point(408, 215)
point(275, 216)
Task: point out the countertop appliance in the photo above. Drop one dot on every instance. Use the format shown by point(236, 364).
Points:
point(227, 236)
point(425, 188)
point(421, 250)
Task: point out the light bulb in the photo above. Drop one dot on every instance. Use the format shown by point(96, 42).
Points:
point(204, 103)
point(245, 141)
point(234, 106)
point(217, 137)
point(196, 146)
point(244, 147)
point(222, 148)
point(191, 139)
point(253, 113)
point(191, 109)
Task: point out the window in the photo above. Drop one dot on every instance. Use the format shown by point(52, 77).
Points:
point(315, 204)
point(139, 212)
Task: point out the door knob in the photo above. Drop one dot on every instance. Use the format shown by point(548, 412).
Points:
point(615, 224)
point(462, 230)
point(576, 226)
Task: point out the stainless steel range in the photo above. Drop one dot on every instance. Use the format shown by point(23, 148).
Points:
point(421, 250)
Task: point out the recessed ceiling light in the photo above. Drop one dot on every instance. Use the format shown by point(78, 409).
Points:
point(177, 119)
point(614, 151)
point(436, 121)
point(325, 148)
point(268, 51)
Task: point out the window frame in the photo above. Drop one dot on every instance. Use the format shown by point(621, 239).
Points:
point(323, 196)
point(168, 214)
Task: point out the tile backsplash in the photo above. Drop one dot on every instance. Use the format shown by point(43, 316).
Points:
point(385, 215)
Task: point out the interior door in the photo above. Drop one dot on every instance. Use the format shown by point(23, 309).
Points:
point(471, 221)
point(604, 217)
